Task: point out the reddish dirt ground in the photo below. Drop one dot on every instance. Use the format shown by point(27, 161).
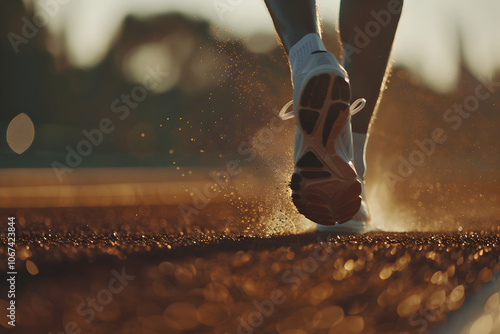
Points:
point(205, 280)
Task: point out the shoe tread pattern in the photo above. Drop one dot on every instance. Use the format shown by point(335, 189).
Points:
point(325, 188)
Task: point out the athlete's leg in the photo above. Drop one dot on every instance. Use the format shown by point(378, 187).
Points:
point(367, 29)
point(293, 19)
point(324, 186)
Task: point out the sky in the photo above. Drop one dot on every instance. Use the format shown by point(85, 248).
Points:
point(426, 42)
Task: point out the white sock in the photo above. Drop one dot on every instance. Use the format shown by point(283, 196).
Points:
point(359, 141)
point(301, 51)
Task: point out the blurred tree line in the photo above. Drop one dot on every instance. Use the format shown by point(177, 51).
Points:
point(217, 93)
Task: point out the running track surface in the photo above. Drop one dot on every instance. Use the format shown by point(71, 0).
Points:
point(221, 282)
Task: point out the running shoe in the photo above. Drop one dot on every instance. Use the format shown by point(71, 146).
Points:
point(325, 186)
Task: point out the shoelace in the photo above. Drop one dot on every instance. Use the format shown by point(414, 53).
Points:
point(355, 107)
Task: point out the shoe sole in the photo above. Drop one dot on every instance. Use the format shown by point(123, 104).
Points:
point(325, 188)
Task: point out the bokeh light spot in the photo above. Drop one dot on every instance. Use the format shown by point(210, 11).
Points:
point(482, 325)
point(20, 133)
point(31, 267)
